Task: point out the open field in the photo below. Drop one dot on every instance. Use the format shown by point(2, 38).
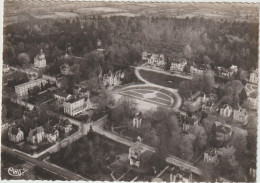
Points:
point(161, 79)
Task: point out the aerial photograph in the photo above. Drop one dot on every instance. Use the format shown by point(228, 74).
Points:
point(129, 91)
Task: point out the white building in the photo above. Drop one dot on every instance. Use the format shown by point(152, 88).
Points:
point(22, 89)
point(15, 134)
point(178, 65)
point(254, 77)
point(253, 100)
point(74, 106)
point(36, 135)
point(137, 120)
point(40, 60)
point(111, 79)
point(156, 60)
point(226, 110)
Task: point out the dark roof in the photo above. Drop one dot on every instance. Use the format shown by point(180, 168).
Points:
point(61, 93)
point(35, 131)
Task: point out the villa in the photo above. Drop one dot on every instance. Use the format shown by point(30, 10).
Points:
point(74, 106)
point(65, 69)
point(211, 156)
point(111, 79)
point(155, 59)
point(40, 60)
point(61, 95)
point(198, 70)
point(36, 135)
point(52, 136)
point(137, 120)
point(240, 115)
point(190, 121)
point(65, 126)
point(226, 110)
point(223, 132)
point(226, 73)
point(15, 134)
point(135, 153)
point(178, 65)
point(209, 107)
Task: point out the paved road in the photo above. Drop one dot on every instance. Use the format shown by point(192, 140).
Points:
point(60, 171)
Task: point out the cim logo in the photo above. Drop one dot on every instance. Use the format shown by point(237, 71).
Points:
point(16, 172)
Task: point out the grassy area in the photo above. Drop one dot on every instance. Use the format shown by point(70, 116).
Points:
point(143, 91)
point(90, 156)
point(130, 133)
point(133, 94)
point(163, 96)
point(161, 101)
point(161, 79)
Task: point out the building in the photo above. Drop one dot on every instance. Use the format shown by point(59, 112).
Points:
point(60, 95)
point(32, 74)
point(226, 73)
point(156, 60)
point(146, 55)
point(6, 68)
point(223, 132)
point(226, 110)
point(135, 153)
point(65, 126)
point(22, 89)
point(194, 102)
point(137, 120)
point(198, 70)
point(209, 107)
point(253, 78)
point(40, 60)
point(189, 122)
point(36, 135)
point(15, 134)
point(211, 156)
point(111, 79)
point(52, 136)
point(178, 65)
point(73, 106)
point(240, 115)
point(253, 100)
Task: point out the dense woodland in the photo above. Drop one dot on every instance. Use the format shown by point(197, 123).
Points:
point(203, 41)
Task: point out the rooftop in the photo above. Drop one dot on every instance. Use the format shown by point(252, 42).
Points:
point(30, 82)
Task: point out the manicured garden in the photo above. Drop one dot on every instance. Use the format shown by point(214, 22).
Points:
point(161, 79)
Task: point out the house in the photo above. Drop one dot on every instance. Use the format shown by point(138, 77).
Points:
point(74, 106)
point(252, 169)
point(253, 100)
point(198, 69)
point(135, 153)
point(253, 78)
point(178, 65)
point(52, 136)
point(22, 89)
point(99, 43)
point(189, 122)
point(178, 174)
point(49, 78)
point(15, 134)
point(6, 68)
point(137, 120)
point(61, 95)
point(65, 126)
point(156, 60)
point(145, 56)
point(226, 73)
point(226, 110)
point(40, 60)
point(211, 156)
point(36, 135)
point(111, 79)
point(223, 132)
point(240, 115)
point(209, 107)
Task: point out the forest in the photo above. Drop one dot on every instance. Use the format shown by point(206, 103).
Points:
point(200, 40)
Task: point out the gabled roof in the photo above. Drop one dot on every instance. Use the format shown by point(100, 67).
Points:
point(35, 131)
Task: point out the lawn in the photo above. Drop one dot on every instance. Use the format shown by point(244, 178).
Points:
point(130, 133)
point(132, 94)
point(163, 96)
point(143, 91)
point(161, 79)
point(160, 101)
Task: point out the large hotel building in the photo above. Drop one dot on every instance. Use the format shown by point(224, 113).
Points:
point(22, 89)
